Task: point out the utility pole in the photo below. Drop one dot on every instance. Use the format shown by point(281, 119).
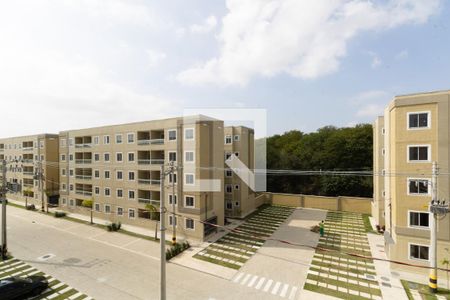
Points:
point(162, 237)
point(174, 225)
point(437, 209)
point(4, 248)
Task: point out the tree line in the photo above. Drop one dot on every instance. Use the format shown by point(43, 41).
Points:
point(329, 148)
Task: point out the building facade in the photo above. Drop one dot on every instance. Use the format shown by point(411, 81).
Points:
point(415, 133)
point(239, 197)
point(25, 156)
point(119, 168)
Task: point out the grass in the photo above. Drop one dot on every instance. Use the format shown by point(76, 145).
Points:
point(330, 292)
point(368, 225)
point(217, 262)
point(423, 290)
point(354, 287)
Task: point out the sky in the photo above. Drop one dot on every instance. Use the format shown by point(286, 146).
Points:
point(68, 64)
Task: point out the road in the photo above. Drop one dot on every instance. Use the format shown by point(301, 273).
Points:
point(109, 265)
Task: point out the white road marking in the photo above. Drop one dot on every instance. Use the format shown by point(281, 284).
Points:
point(238, 277)
point(246, 278)
point(260, 283)
point(252, 281)
point(131, 243)
point(267, 286)
point(275, 288)
point(293, 292)
point(284, 290)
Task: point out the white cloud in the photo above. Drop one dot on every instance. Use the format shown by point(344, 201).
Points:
point(402, 55)
point(155, 57)
point(208, 25)
point(367, 96)
point(370, 110)
point(305, 39)
point(376, 61)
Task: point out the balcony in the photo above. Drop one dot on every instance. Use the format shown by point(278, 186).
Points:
point(150, 157)
point(83, 161)
point(83, 174)
point(149, 177)
point(2, 147)
point(27, 159)
point(83, 142)
point(83, 189)
point(149, 197)
point(81, 192)
point(153, 137)
point(83, 157)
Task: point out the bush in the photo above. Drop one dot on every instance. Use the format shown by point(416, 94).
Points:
point(59, 214)
point(114, 226)
point(30, 207)
point(176, 249)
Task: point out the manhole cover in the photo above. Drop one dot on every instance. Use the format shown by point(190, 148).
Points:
point(46, 257)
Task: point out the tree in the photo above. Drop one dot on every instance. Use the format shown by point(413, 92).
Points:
point(153, 210)
point(27, 192)
point(89, 204)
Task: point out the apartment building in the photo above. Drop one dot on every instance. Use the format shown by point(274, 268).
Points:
point(24, 156)
point(239, 197)
point(415, 133)
point(119, 168)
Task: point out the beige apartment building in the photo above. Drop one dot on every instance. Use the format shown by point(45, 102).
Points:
point(119, 168)
point(24, 158)
point(239, 197)
point(414, 132)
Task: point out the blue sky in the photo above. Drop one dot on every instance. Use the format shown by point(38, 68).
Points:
point(80, 63)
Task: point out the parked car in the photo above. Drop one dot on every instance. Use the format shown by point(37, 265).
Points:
point(20, 287)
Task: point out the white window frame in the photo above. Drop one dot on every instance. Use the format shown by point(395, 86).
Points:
point(97, 207)
point(134, 176)
point(134, 138)
point(119, 161)
point(104, 159)
point(117, 193)
point(121, 139)
point(104, 191)
point(193, 157)
point(193, 133)
point(418, 194)
point(420, 245)
point(168, 155)
point(117, 211)
point(416, 113)
point(185, 203)
point(185, 179)
point(185, 224)
point(99, 156)
point(418, 226)
point(170, 220)
point(170, 196)
point(98, 140)
point(231, 139)
point(228, 186)
point(236, 138)
point(104, 174)
point(134, 193)
point(168, 135)
point(106, 137)
point(419, 161)
point(134, 213)
point(105, 206)
point(99, 191)
point(117, 172)
point(96, 170)
point(228, 173)
point(134, 157)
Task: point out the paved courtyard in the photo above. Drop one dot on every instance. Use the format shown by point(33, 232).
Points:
point(237, 247)
point(340, 275)
point(57, 290)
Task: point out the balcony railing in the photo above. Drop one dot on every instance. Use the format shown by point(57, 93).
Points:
point(27, 148)
point(83, 161)
point(28, 173)
point(85, 177)
point(151, 142)
point(149, 181)
point(85, 145)
point(150, 161)
point(149, 201)
point(27, 161)
point(85, 193)
point(28, 184)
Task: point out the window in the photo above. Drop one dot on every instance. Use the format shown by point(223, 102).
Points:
point(229, 205)
point(71, 172)
point(106, 157)
point(190, 224)
point(189, 156)
point(119, 193)
point(119, 157)
point(419, 219)
point(96, 140)
point(228, 188)
point(418, 187)
point(97, 207)
point(172, 219)
point(228, 140)
point(131, 213)
point(419, 252)
point(189, 179)
point(130, 156)
point(119, 175)
point(130, 138)
point(106, 139)
point(131, 194)
point(172, 156)
point(71, 187)
point(189, 201)
point(236, 154)
point(418, 153)
point(64, 187)
point(96, 157)
point(172, 197)
point(118, 139)
point(64, 201)
point(189, 134)
point(107, 209)
point(63, 172)
point(107, 192)
point(70, 157)
point(228, 173)
point(119, 211)
point(97, 190)
point(107, 175)
point(172, 134)
point(227, 156)
point(96, 174)
point(237, 138)
point(172, 178)
point(236, 187)
point(418, 120)
point(236, 204)
point(63, 157)
point(131, 176)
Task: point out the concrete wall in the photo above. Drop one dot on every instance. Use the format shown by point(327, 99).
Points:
point(351, 204)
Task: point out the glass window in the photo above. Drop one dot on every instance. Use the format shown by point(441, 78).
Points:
point(189, 201)
point(418, 153)
point(190, 224)
point(131, 156)
point(418, 186)
point(418, 120)
point(189, 134)
point(131, 213)
point(130, 138)
point(119, 139)
point(172, 135)
point(172, 156)
point(120, 211)
point(189, 156)
point(419, 219)
point(119, 157)
point(189, 179)
point(418, 252)
point(228, 140)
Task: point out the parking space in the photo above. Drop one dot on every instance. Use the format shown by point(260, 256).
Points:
point(57, 290)
point(339, 275)
point(237, 247)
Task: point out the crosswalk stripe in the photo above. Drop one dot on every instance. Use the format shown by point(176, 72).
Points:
point(246, 278)
point(268, 284)
point(284, 290)
point(260, 283)
point(252, 281)
point(275, 288)
point(238, 277)
point(293, 292)
point(75, 296)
